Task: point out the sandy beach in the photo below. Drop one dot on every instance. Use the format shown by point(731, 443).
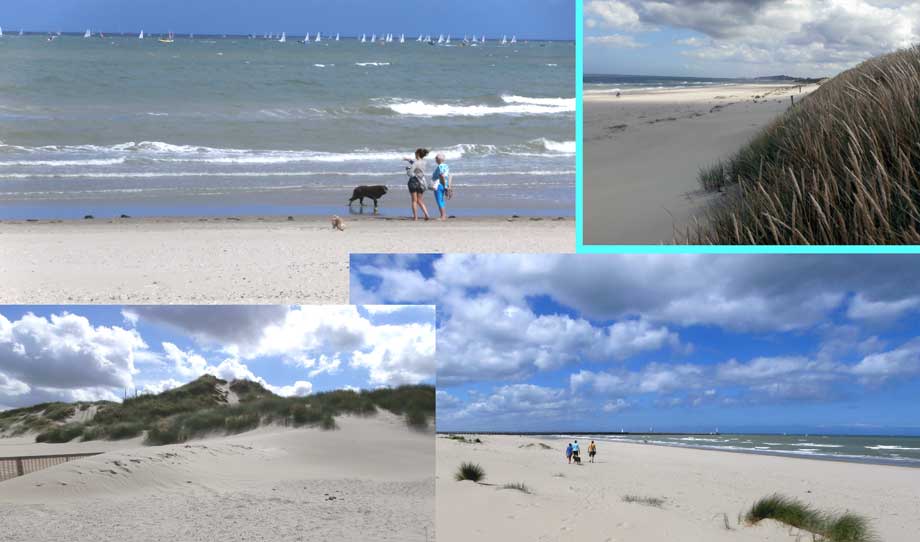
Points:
point(369, 480)
point(704, 493)
point(643, 151)
point(234, 260)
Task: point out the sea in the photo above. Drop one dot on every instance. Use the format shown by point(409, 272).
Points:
point(209, 126)
point(611, 84)
point(887, 450)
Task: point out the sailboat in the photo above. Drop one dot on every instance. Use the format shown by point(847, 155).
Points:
point(1, 31)
point(402, 38)
point(336, 36)
point(20, 31)
point(504, 40)
point(87, 34)
point(373, 38)
point(319, 37)
point(306, 38)
point(513, 40)
point(167, 39)
point(363, 38)
point(483, 39)
point(447, 42)
point(141, 35)
point(283, 38)
point(419, 38)
point(441, 39)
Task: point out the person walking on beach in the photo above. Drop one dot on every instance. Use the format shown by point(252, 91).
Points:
point(575, 452)
point(592, 451)
point(568, 453)
point(416, 172)
point(440, 184)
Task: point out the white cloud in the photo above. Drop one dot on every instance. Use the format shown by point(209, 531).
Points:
point(818, 37)
point(862, 308)
point(64, 357)
point(614, 40)
point(900, 362)
point(300, 388)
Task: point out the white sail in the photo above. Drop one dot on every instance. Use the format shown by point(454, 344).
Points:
point(283, 38)
point(441, 38)
point(141, 35)
point(402, 38)
point(419, 38)
point(319, 37)
point(87, 34)
point(363, 38)
point(336, 36)
point(447, 42)
point(373, 38)
point(20, 31)
point(504, 40)
point(513, 39)
point(1, 31)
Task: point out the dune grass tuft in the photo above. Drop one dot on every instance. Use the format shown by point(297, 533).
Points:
point(469, 471)
point(519, 486)
point(840, 167)
point(648, 501)
point(847, 527)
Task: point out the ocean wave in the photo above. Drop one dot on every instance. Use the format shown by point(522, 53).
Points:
point(883, 447)
point(813, 445)
point(363, 64)
point(162, 152)
point(514, 105)
point(178, 174)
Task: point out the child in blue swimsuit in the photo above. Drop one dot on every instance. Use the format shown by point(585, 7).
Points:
point(440, 179)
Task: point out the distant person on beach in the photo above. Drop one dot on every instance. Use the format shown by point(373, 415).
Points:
point(592, 451)
point(568, 452)
point(440, 184)
point(575, 452)
point(416, 172)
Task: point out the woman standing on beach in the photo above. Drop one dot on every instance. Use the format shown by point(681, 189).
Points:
point(416, 172)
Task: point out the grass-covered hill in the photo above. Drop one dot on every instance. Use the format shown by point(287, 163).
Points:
point(842, 166)
point(210, 405)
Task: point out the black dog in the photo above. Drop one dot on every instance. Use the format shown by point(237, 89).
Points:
point(373, 192)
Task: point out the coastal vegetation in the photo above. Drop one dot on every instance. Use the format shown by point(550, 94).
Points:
point(846, 527)
point(204, 406)
point(842, 166)
point(469, 471)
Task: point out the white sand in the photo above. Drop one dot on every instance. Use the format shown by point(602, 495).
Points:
point(700, 489)
point(225, 261)
point(643, 151)
point(269, 484)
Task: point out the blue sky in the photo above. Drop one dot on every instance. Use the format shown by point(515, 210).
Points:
point(544, 19)
point(743, 38)
point(97, 352)
point(741, 343)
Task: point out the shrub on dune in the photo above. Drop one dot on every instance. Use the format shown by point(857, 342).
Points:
point(469, 471)
point(840, 167)
point(846, 527)
point(518, 486)
point(60, 433)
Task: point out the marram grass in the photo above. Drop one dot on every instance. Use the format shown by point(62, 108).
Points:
point(469, 471)
point(847, 527)
point(841, 167)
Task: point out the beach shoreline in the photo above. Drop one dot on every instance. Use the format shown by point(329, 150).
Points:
point(644, 150)
point(235, 259)
point(704, 495)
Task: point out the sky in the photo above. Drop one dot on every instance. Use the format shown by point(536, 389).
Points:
point(543, 19)
point(739, 343)
point(743, 38)
point(100, 352)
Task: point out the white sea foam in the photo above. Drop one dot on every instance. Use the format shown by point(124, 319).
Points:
point(514, 105)
point(813, 445)
point(64, 163)
point(883, 447)
point(372, 64)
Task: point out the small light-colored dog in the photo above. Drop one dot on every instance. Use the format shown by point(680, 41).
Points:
point(338, 223)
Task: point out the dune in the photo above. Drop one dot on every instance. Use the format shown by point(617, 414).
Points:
point(704, 494)
point(372, 479)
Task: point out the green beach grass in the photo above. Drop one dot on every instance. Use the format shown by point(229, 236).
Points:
point(201, 407)
point(847, 527)
point(841, 167)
